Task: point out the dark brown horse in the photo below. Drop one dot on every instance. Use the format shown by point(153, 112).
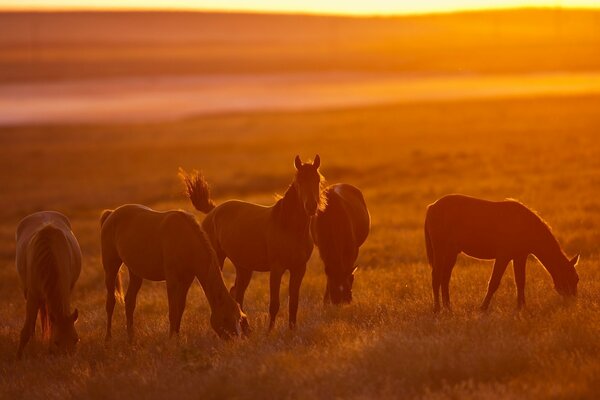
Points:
point(267, 239)
point(504, 231)
point(338, 231)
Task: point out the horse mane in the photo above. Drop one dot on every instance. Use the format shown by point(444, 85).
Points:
point(543, 224)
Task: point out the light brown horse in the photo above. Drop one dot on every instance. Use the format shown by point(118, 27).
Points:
point(338, 231)
point(504, 231)
point(260, 238)
point(48, 260)
point(164, 246)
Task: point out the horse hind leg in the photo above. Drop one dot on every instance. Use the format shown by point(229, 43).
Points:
point(519, 269)
point(135, 283)
point(28, 329)
point(112, 279)
point(447, 267)
point(242, 280)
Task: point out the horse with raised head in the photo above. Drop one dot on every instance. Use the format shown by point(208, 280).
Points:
point(164, 246)
point(260, 238)
point(338, 231)
point(48, 260)
point(500, 230)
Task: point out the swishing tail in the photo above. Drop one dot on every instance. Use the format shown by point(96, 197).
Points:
point(105, 214)
point(197, 190)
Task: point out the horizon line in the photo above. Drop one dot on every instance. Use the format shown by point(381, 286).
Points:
point(290, 12)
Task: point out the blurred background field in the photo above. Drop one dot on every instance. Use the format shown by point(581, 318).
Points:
point(541, 148)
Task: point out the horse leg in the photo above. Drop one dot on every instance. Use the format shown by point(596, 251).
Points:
point(447, 268)
point(327, 297)
point(499, 267)
point(111, 271)
point(296, 276)
point(32, 308)
point(274, 284)
point(436, 280)
point(519, 269)
point(44, 319)
point(135, 283)
point(177, 290)
point(242, 280)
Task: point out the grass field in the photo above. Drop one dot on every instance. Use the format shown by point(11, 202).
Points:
point(387, 343)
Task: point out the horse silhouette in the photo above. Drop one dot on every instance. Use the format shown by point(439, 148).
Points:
point(338, 231)
point(48, 260)
point(260, 238)
point(504, 231)
point(164, 246)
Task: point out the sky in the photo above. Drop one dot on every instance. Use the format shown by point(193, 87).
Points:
point(354, 7)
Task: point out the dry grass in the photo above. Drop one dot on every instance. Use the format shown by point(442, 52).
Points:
point(386, 344)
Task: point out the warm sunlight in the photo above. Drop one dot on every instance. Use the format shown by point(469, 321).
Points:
point(357, 7)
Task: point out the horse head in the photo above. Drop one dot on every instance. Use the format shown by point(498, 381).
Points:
point(231, 322)
point(308, 183)
point(566, 282)
point(340, 287)
point(63, 336)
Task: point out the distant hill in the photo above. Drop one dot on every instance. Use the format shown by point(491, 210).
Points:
point(75, 45)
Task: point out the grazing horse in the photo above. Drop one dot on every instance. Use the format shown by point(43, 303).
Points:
point(259, 238)
point(49, 262)
point(164, 246)
point(504, 231)
point(338, 231)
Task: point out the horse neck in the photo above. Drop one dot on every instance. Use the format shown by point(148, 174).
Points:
point(56, 288)
point(290, 214)
point(212, 283)
point(548, 251)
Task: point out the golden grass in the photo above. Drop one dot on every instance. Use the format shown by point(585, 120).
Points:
point(386, 344)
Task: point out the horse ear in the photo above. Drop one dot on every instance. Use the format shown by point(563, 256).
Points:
point(297, 162)
point(574, 261)
point(317, 161)
point(75, 315)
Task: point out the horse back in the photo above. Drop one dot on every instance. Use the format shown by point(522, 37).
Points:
point(480, 228)
point(347, 207)
point(45, 240)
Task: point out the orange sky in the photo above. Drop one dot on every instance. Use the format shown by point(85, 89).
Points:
point(360, 7)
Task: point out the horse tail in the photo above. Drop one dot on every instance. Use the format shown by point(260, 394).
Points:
point(197, 190)
point(119, 289)
point(45, 266)
point(428, 244)
point(105, 214)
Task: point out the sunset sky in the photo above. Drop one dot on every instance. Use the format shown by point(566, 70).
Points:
point(309, 6)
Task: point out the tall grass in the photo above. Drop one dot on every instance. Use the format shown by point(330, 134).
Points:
point(387, 343)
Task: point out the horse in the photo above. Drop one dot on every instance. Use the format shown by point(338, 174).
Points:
point(260, 238)
point(164, 246)
point(500, 230)
point(338, 231)
point(48, 260)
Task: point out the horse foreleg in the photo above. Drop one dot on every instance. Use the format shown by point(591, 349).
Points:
point(274, 284)
point(499, 267)
point(33, 306)
point(519, 268)
point(177, 290)
point(296, 276)
point(135, 283)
